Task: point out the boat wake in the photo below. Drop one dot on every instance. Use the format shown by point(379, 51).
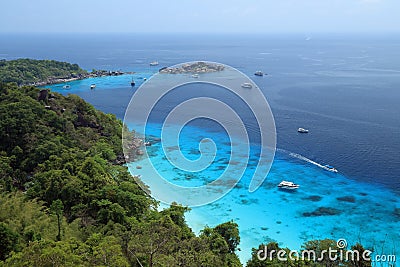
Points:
point(300, 157)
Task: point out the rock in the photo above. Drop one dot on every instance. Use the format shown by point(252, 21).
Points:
point(322, 211)
point(196, 67)
point(43, 95)
point(397, 213)
point(313, 198)
point(349, 199)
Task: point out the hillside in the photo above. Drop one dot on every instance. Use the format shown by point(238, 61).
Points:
point(65, 201)
point(31, 71)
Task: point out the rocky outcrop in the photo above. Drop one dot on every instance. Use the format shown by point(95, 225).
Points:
point(197, 67)
point(43, 95)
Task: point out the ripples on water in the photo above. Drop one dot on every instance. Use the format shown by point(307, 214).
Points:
point(344, 89)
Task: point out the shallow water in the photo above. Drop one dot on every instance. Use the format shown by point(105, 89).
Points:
point(344, 89)
point(355, 211)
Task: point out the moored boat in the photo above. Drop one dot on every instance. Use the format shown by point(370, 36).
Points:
point(288, 185)
point(247, 85)
point(259, 73)
point(302, 130)
point(92, 86)
point(154, 63)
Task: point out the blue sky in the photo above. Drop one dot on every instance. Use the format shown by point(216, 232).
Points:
point(252, 16)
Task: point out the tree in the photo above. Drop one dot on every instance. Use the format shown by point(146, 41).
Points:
point(177, 214)
point(321, 247)
point(49, 253)
point(6, 172)
point(105, 251)
point(230, 232)
point(150, 240)
point(8, 241)
point(57, 208)
point(359, 261)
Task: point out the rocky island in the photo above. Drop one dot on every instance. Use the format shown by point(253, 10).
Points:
point(195, 68)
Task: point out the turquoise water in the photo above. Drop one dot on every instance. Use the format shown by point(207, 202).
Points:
point(102, 83)
point(353, 210)
point(363, 212)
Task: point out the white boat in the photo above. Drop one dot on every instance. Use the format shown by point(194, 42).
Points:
point(195, 76)
point(247, 85)
point(329, 168)
point(259, 73)
point(92, 86)
point(154, 63)
point(302, 130)
point(66, 86)
point(288, 185)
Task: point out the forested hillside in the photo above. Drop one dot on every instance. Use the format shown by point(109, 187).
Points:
point(65, 202)
point(31, 71)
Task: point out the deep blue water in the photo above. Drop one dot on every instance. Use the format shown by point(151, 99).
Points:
point(345, 89)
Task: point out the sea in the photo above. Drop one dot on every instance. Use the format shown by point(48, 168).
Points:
point(344, 88)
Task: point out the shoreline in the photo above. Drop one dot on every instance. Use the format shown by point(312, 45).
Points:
point(280, 227)
point(96, 74)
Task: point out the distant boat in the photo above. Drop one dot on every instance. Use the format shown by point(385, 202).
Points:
point(92, 86)
point(288, 185)
point(329, 168)
point(144, 79)
point(132, 83)
point(154, 63)
point(302, 130)
point(259, 73)
point(66, 86)
point(195, 75)
point(247, 85)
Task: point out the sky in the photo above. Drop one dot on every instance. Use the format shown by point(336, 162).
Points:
point(201, 16)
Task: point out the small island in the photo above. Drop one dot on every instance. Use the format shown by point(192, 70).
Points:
point(196, 67)
point(44, 72)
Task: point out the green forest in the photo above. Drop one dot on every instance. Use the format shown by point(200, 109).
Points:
point(66, 199)
point(31, 71)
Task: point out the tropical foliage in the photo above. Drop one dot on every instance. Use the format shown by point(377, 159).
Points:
point(29, 71)
point(66, 200)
